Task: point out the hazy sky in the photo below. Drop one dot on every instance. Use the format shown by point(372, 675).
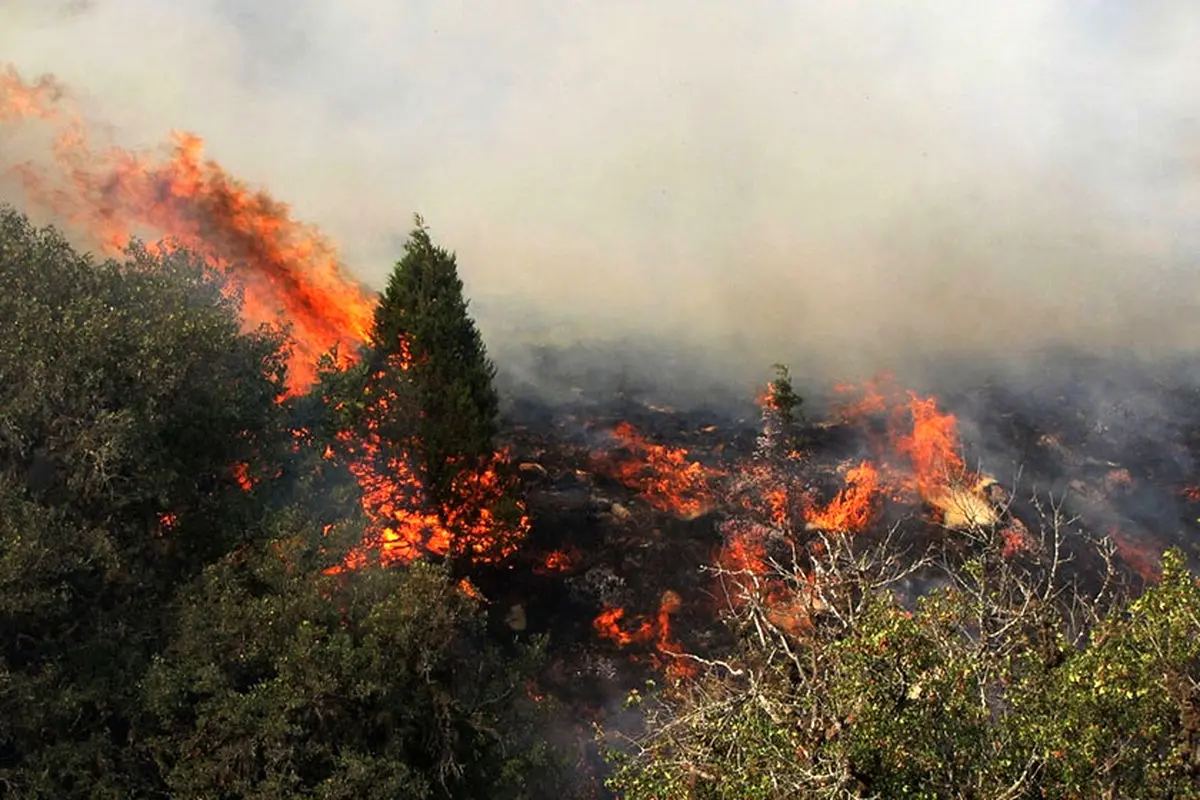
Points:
point(847, 184)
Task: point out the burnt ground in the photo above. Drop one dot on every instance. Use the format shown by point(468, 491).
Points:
point(1117, 446)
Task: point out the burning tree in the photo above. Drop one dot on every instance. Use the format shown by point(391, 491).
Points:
point(416, 419)
point(426, 348)
point(174, 622)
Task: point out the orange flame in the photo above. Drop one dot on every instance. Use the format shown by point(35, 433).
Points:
point(872, 400)
point(933, 446)
point(608, 626)
point(748, 577)
point(664, 476)
point(471, 590)
point(404, 527)
point(23, 100)
point(557, 561)
point(167, 522)
point(854, 507)
point(673, 663)
point(241, 473)
point(1140, 557)
point(287, 270)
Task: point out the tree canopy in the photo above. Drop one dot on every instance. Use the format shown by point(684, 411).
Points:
point(422, 323)
point(170, 620)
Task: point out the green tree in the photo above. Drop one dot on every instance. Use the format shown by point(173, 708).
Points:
point(132, 408)
point(426, 348)
point(287, 681)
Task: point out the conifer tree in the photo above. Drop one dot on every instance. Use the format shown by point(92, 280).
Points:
point(431, 400)
point(424, 333)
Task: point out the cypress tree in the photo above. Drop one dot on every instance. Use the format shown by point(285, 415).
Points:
point(429, 359)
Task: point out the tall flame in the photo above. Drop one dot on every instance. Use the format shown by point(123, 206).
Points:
point(288, 271)
point(933, 446)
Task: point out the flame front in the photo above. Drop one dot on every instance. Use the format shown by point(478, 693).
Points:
point(286, 272)
point(289, 272)
point(932, 446)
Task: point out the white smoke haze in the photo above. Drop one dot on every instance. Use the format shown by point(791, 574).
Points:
point(845, 186)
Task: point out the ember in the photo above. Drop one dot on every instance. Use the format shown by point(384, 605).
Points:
point(557, 561)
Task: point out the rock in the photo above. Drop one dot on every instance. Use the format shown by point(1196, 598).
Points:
point(620, 512)
point(515, 618)
point(533, 469)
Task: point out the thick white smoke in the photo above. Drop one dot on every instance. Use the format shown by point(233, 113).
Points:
point(847, 186)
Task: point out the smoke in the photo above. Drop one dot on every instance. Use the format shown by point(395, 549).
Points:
point(845, 186)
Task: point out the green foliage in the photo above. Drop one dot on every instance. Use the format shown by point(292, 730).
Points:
point(1123, 713)
point(377, 683)
point(784, 399)
point(428, 352)
point(127, 394)
point(968, 695)
point(166, 631)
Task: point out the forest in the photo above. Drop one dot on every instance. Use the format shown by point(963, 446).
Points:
point(198, 597)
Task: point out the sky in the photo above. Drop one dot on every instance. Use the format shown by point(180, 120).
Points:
point(846, 186)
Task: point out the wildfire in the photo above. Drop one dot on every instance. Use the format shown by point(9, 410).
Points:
point(557, 561)
point(927, 441)
point(854, 507)
point(664, 476)
point(167, 522)
point(287, 271)
point(23, 100)
point(471, 590)
point(932, 446)
point(404, 526)
point(608, 626)
point(1144, 560)
point(749, 577)
point(872, 399)
point(241, 473)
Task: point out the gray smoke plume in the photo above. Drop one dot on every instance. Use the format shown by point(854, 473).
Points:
point(846, 186)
